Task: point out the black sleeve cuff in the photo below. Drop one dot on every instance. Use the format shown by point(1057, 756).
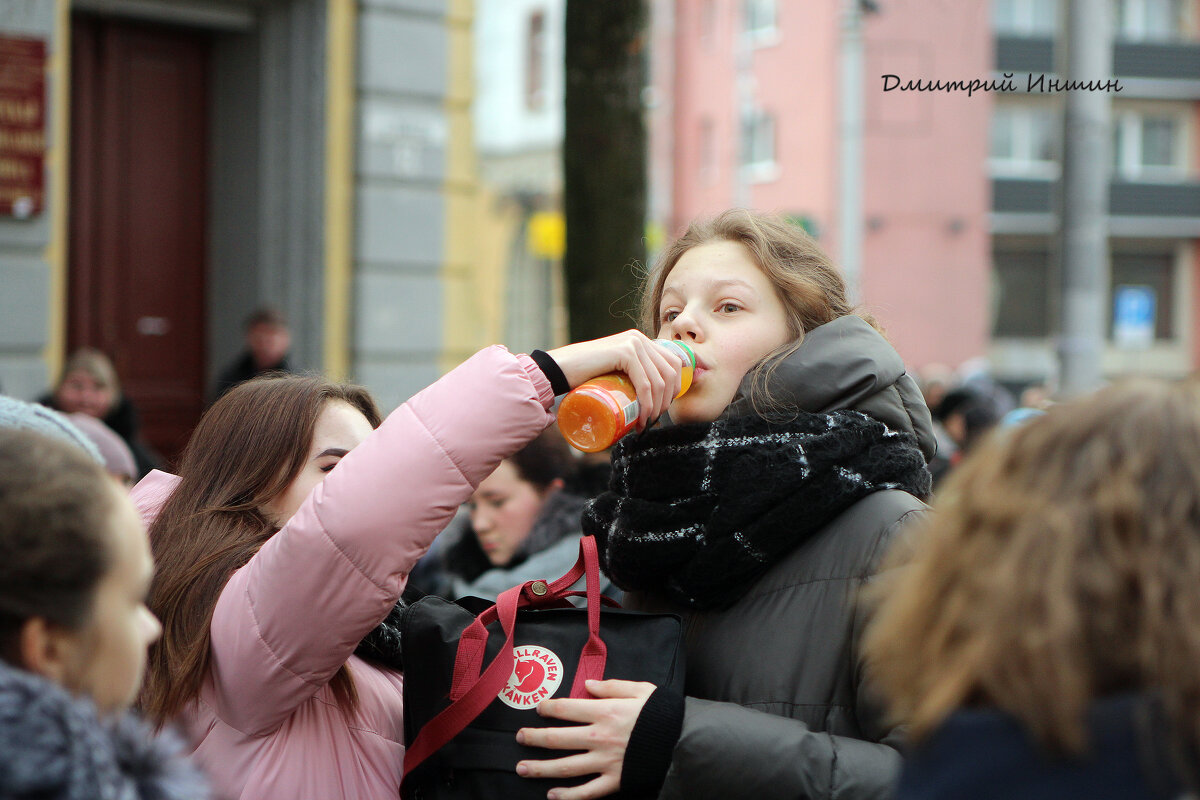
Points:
point(652, 743)
point(553, 373)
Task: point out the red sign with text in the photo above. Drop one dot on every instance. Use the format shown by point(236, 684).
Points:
point(22, 126)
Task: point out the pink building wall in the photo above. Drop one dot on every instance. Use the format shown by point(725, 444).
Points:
point(797, 80)
point(703, 92)
point(926, 190)
point(926, 194)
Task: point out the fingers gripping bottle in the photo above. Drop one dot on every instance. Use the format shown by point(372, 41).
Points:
point(596, 414)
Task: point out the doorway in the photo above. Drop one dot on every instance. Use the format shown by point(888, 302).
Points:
point(138, 238)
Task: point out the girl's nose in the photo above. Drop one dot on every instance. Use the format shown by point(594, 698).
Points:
point(686, 327)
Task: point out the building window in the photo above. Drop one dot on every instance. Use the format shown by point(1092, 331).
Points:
point(1024, 141)
point(1147, 271)
point(1024, 283)
point(1025, 17)
point(758, 144)
point(535, 55)
point(760, 22)
point(1149, 146)
point(1150, 20)
point(1021, 281)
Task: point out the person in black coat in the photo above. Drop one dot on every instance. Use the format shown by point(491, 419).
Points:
point(268, 340)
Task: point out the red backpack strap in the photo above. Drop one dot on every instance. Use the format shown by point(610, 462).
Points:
point(459, 714)
point(595, 653)
point(471, 692)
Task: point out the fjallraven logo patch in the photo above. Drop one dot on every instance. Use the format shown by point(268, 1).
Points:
point(536, 677)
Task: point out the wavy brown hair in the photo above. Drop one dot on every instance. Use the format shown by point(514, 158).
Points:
point(811, 287)
point(245, 452)
point(1062, 564)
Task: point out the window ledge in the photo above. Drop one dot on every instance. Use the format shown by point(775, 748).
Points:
point(761, 172)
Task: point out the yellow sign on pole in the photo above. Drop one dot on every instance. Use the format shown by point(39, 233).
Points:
point(547, 234)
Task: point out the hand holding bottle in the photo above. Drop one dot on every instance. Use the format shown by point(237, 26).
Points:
point(599, 412)
point(654, 371)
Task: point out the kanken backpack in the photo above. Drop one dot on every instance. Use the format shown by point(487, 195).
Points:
point(475, 673)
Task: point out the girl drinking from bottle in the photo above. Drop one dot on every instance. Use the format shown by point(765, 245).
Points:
point(795, 457)
point(287, 539)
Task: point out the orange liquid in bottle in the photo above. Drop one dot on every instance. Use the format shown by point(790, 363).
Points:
point(596, 414)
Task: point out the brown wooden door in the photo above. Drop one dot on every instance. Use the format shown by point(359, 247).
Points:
point(139, 151)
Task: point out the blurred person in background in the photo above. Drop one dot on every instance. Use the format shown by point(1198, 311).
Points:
point(118, 458)
point(89, 385)
point(19, 415)
point(522, 523)
point(1043, 637)
point(935, 381)
point(267, 342)
point(75, 567)
point(965, 414)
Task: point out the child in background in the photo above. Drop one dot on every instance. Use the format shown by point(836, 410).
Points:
point(1042, 639)
point(74, 571)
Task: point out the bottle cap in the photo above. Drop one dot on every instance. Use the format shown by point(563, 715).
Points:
point(687, 351)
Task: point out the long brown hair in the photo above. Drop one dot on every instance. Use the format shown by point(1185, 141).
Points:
point(812, 290)
point(1059, 566)
point(245, 452)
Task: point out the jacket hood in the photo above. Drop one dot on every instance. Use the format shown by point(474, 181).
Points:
point(847, 364)
point(54, 745)
point(152, 493)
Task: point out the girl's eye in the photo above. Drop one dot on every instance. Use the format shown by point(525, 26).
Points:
point(329, 467)
point(668, 316)
point(730, 308)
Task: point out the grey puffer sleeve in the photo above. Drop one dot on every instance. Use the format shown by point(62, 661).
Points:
point(727, 750)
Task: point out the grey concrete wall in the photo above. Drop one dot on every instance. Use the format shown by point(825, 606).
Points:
point(291, 269)
point(267, 188)
point(400, 207)
point(24, 272)
point(234, 202)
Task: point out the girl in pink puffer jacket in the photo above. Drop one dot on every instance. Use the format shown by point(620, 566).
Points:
point(273, 565)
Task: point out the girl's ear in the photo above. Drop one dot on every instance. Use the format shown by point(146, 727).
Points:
point(46, 649)
point(552, 487)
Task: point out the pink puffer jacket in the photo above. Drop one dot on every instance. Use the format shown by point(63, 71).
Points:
point(266, 724)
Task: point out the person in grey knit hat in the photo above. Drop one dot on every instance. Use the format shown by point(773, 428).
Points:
point(73, 557)
point(18, 414)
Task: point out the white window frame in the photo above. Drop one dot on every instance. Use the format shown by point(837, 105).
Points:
point(758, 32)
point(757, 167)
point(1131, 21)
point(1127, 158)
point(1025, 19)
point(1022, 163)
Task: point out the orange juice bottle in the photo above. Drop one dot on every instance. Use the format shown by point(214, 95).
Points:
point(596, 414)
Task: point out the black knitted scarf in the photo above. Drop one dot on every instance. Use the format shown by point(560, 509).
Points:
point(697, 513)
